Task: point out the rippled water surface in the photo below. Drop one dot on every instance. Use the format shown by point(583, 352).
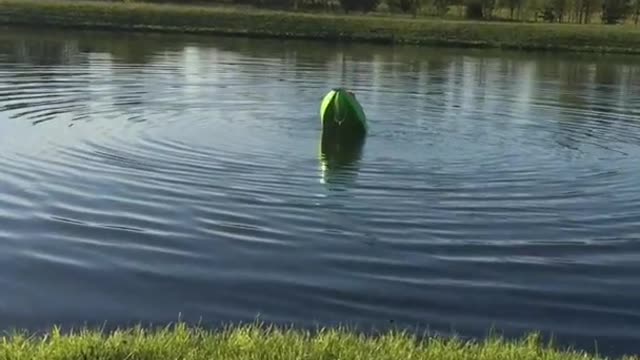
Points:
point(145, 177)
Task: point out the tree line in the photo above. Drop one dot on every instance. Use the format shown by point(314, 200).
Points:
point(570, 11)
point(558, 11)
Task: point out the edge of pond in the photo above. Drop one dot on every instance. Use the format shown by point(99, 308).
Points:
point(238, 341)
point(124, 17)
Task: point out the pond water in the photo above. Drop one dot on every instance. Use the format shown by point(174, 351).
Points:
point(151, 177)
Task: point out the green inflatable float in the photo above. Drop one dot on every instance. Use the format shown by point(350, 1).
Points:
point(344, 126)
point(342, 115)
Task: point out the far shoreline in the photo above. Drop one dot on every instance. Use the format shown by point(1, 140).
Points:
point(254, 23)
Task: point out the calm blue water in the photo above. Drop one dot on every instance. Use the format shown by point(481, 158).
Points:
point(150, 177)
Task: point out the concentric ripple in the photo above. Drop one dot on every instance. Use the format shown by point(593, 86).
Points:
point(150, 176)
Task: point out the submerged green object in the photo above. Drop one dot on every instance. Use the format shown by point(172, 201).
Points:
point(342, 115)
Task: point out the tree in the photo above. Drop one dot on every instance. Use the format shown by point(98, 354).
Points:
point(281, 4)
point(553, 10)
point(474, 9)
point(479, 9)
point(442, 6)
point(359, 5)
point(588, 8)
point(560, 8)
point(488, 6)
point(405, 6)
point(615, 10)
point(512, 5)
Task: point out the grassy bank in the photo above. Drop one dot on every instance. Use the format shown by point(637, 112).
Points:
point(234, 21)
point(253, 342)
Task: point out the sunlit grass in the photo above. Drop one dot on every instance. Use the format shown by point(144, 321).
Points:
point(261, 342)
point(402, 30)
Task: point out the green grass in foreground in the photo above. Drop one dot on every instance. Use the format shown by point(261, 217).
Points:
point(256, 342)
point(234, 21)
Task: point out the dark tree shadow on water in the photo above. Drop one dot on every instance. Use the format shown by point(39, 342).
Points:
point(340, 159)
